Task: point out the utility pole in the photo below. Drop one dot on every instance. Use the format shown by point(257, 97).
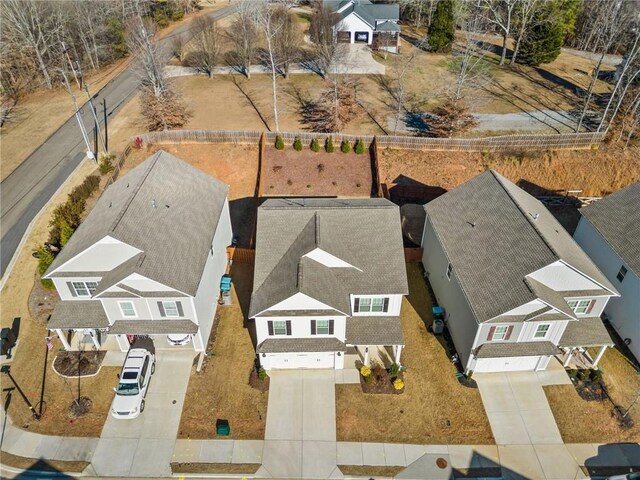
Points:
point(66, 53)
point(95, 119)
point(83, 130)
point(106, 126)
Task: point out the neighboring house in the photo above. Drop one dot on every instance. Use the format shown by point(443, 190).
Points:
point(361, 21)
point(147, 260)
point(609, 232)
point(329, 280)
point(516, 288)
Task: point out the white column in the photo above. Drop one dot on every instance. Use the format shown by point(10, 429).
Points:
point(200, 361)
point(599, 356)
point(568, 359)
point(63, 339)
point(398, 350)
point(366, 355)
point(123, 343)
point(94, 339)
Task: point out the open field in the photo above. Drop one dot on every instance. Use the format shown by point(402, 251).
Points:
point(581, 421)
point(221, 389)
point(434, 409)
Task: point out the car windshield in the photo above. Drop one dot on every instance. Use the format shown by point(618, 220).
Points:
point(127, 389)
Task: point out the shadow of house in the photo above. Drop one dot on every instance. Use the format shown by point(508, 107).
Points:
point(438, 467)
point(242, 275)
point(41, 469)
point(565, 210)
point(614, 459)
point(243, 219)
point(407, 190)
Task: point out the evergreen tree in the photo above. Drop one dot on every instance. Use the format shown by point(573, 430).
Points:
point(442, 31)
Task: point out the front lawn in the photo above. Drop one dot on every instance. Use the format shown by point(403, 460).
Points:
point(221, 389)
point(434, 409)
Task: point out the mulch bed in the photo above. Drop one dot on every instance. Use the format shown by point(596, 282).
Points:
point(78, 364)
point(255, 382)
point(382, 382)
point(42, 301)
point(590, 390)
point(315, 174)
point(80, 407)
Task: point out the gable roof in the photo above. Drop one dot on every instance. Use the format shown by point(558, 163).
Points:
point(495, 234)
point(617, 218)
point(369, 12)
point(164, 207)
point(365, 233)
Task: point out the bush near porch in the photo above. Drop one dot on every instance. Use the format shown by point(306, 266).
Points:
point(434, 408)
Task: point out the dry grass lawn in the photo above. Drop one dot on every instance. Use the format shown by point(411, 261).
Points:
point(237, 468)
point(581, 421)
point(435, 408)
point(221, 389)
point(42, 465)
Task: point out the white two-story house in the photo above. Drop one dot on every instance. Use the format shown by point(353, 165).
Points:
point(146, 261)
point(516, 288)
point(329, 280)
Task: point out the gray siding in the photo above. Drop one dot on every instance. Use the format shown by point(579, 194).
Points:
point(460, 320)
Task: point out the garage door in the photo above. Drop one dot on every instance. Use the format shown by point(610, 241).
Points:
point(302, 360)
point(506, 364)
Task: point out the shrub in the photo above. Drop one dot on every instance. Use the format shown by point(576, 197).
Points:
point(394, 369)
point(345, 146)
point(583, 375)
point(315, 145)
point(297, 144)
point(329, 145)
point(359, 147)
point(289, 182)
point(596, 375)
point(398, 384)
point(573, 373)
point(65, 233)
point(320, 167)
point(45, 259)
point(365, 371)
point(137, 143)
point(105, 164)
point(279, 143)
point(262, 374)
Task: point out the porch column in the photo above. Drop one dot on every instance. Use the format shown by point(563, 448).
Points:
point(366, 355)
point(94, 338)
point(398, 350)
point(63, 339)
point(599, 356)
point(568, 359)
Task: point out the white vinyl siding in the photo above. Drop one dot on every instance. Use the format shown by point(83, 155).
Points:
point(127, 309)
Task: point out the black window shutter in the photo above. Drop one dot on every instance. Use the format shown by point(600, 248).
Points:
point(313, 327)
point(356, 307)
point(590, 307)
point(385, 308)
point(270, 327)
point(161, 308)
point(330, 327)
point(180, 311)
point(288, 327)
point(71, 289)
point(508, 334)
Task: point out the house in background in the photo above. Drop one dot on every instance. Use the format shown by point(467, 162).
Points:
point(147, 260)
point(361, 21)
point(329, 280)
point(609, 232)
point(516, 288)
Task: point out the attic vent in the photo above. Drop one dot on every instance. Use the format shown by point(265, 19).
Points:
point(299, 275)
point(534, 215)
point(473, 224)
point(153, 204)
point(317, 229)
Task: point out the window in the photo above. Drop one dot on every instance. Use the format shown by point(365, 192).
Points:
point(83, 289)
point(541, 331)
point(449, 270)
point(579, 306)
point(621, 273)
point(279, 327)
point(379, 304)
point(322, 327)
point(127, 309)
point(170, 309)
point(500, 332)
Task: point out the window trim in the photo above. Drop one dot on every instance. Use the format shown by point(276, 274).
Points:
point(504, 334)
point(133, 307)
point(546, 332)
point(449, 271)
point(284, 326)
point(577, 306)
point(174, 305)
point(327, 328)
point(621, 274)
point(358, 304)
point(85, 287)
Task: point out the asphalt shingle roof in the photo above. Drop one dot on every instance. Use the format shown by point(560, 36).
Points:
point(617, 218)
point(164, 207)
point(374, 331)
point(495, 234)
point(153, 327)
point(365, 233)
point(286, 345)
point(516, 349)
point(586, 332)
point(78, 314)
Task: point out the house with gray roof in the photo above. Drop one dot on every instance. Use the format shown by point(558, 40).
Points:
point(609, 232)
point(328, 282)
point(516, 289)
point(362, 21)
point(146, 261)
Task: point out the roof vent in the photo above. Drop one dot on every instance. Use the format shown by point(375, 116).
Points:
point(473, 224)
point(153, 204)
point(534, 215)
point(300, 275)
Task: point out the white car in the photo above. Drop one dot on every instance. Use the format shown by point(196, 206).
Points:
point(134, 382)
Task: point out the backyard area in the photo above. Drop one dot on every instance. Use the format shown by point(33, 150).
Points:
point(221, 389)
point(434, 409)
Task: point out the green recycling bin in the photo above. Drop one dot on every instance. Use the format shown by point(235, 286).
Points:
point(222, 427)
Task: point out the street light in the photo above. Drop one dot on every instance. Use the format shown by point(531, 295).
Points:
point(7, 369)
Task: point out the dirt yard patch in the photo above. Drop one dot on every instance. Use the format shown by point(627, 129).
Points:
point(434, 409)
point(221, 390)
point(596, 172)
point(78, 364)
point(582, 421)
point(315, 174)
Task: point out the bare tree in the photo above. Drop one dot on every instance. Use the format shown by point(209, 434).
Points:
point(271, 24)
point(287, 39)
point(500, 14)
point(178, 46)
point(244, 35)
point(207, 43)
point(524, 15)
point(335, 108)
point(321, 32)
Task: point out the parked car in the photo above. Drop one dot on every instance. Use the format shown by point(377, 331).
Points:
point(178, 340)
point(136, 373)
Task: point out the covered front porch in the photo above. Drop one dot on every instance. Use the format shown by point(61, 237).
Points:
point(373, 339)
point(578, 337)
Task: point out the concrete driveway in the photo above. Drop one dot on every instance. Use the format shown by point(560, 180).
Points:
point(143, 447)
point(300, 437)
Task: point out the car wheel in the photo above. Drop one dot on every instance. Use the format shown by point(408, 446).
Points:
point(142, 406)
point(153, 368)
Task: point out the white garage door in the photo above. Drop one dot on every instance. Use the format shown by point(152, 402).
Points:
point(506, 364)
point(302, 360)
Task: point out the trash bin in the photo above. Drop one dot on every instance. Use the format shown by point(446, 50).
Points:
point(222, 427)
point(226, 298)
point(7, 340)
point(438, 322)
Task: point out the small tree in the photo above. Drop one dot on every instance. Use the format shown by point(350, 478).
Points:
point(329, 145)
point(345, 146)
point(359, 147)
point(297, 144)
point(442, 31)
point(315, 145)
point(279, 143)
point(451, 118)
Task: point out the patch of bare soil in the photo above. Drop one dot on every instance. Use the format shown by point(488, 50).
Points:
point(289, 173)
point(78, 364)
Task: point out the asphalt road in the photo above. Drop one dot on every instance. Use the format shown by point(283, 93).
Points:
point(30, 186)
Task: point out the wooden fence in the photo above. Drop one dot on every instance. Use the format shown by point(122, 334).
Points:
point(503, 143)
point(118, 165)
point(241, 255)
point(413, 255)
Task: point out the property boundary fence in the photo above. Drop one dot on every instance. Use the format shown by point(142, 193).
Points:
point(118, 166)
point(565, 141)
point(241, 255)
point(413, 255)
